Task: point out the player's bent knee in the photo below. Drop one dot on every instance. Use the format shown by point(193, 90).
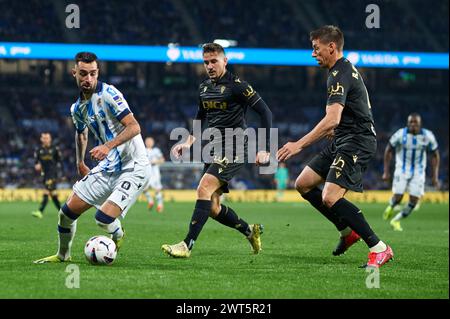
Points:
point(301, 187)
point(215, 210)
point(329, 199)
point(203, 191)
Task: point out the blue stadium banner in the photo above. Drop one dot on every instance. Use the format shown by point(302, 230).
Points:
point(179, 54)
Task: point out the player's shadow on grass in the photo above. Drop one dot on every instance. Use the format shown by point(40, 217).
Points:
point(316, 259)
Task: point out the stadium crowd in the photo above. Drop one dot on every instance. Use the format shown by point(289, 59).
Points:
point(262, 23)
point(30, 111)
point(164, 96)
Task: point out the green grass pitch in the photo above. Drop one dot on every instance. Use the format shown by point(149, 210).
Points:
point(296, 260)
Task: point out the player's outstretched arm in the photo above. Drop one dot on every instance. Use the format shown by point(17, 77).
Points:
point(388, 151)
point(81, 141)
point(178, 149)
point(265, 115)
point(322, 129)
point(435, 160)
point(131, 129)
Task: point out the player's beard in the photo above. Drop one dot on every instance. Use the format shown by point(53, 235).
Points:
point(212, 75)
point(87, 89)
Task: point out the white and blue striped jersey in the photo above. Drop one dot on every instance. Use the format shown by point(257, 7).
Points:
point(102, 114)
point(154, 154)
point(411, 150)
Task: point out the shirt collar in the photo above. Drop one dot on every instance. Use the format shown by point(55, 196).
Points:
point(338, 62)
point(224, 79)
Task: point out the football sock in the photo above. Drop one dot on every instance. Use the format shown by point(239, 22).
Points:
point(110, 224)
point(345, 232)
point(199, 218)
point(56, 202)
point(67, 227)
point(149, 197)
point(159, 198)
point(314, 196)
point(406, 211)
point(378, 248)
point(43, 203)
point(393, 202)
point(353, 216)
point(228, 217)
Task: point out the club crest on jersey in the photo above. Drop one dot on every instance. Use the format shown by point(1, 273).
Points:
point(222, 89)
point(99, 102)
point(335, 72)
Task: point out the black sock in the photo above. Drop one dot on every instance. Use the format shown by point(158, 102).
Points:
point(228, 217)
point(353, 216)
point(394, 201)
point(199, 218)
point(314, 196)
point(43, 203)
point(408, 209)
point(56, 202)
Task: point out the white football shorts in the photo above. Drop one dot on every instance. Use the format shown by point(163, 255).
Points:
point(414, 185)
point(122, 188)
point(155, 181)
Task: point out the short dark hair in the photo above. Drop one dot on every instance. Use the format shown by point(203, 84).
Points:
point(327, 34)
point(213, 47)
point(415, 115)
point(86, 57)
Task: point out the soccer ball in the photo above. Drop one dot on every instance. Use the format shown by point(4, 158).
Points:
point(100, 250)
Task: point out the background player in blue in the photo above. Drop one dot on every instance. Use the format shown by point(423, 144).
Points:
point(123, 170)
point(349, 122)
point(411, 145)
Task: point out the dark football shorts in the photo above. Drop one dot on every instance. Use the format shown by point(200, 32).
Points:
point(226, 168)
point(50, 183)
point(344, 164)
point(223, 171)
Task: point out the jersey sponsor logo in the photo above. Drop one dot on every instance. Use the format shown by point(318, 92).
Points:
point(48, 157)
point(112, 91)
point(338, 90)
point(249, 92)
point(215, 105)
point(118, 99)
